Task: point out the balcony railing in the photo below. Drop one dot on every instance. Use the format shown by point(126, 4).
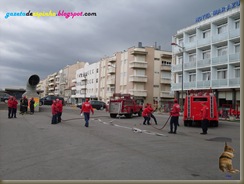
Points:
point(234, 57)
point(234, 33)
point(166, 94)
point(220, 37)
point(73, 88)
point(203, 63)
point(165, 80)
point(111, 70)
point(189, 65)
point(112, 59)
point(205, 41)
point(190, 45)
point(177, 67)
point(141, 93)
point(220, 60)
point(165, 67)
point(138, 64)
point(138, 78)
point(176, 86)
point(111, 81)
point(219, 83)
point(139, 51)
point(203, 84)
point(234, 82)
point(190, 85)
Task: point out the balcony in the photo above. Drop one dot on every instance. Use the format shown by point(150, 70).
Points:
point(177, 67)
point(73, 81)
point(166, 94)
point(111, 70)
point(234, 58)
point(190, 85)
point(165, 67)
point(138, 93)
point(112, 59)
point(203, 63)
point(233, 33)
point(51, 89)
point(190, 45)
point(176, 86)
point(139, 51)
point(51, 78)
point(166, 56)
point(51, 84)
point(203, 84)
point(165, 80)
point(73, 88)
point(219, 83)
point(190, 65)
point(111, 81)
point(138, 78)
point(138, 64)
point(220, 60)
point(234, 82)
point(202, 42)
point(220, 37)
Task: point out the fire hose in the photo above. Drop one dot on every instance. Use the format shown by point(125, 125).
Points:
point(163, 125)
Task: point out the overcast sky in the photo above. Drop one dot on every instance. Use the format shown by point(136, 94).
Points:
point(42, 46)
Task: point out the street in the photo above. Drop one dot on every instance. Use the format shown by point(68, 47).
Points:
point(111, 149)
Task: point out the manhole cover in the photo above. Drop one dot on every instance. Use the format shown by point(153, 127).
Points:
point(220, 139)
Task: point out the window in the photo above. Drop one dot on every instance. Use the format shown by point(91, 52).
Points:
point(237, 24)
point(192, 77)
point(167, 63)
point(179, 78)
point(237, 48)
point(138, 72)
point(180, 59)
point(222, 73)
point(192, 57)
point(237, 72)
point(221, 29)
point(206, 76)
point(206, 54)
point(180, 41)
point(222, 51)
point(206, 34)
point(192, 38)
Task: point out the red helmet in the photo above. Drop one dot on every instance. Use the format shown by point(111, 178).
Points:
point(175, 101)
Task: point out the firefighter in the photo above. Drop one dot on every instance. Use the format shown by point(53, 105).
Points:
point(86, 109)
point(146, 115)
point(205, 122)
point(174, 120)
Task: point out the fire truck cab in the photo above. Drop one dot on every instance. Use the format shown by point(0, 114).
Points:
point(193, 105)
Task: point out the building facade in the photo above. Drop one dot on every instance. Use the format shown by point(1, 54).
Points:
point(207, 55)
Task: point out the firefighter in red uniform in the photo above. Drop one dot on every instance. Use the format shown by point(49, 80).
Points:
point(174, 121)
point(86, 109)
point(205, 122)
point(60, 109)
point(14, 107)
point(54, 112)
point(146, 115)
point(10, 106)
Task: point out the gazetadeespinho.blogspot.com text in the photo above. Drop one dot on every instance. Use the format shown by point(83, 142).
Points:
point(61, 13)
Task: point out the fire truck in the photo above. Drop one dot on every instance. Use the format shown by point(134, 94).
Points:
point(193, 105)
point(123, 104)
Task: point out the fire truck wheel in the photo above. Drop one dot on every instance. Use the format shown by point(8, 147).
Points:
point(113, 115)
point(139, 113)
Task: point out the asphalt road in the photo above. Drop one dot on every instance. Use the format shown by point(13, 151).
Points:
point(110, 149)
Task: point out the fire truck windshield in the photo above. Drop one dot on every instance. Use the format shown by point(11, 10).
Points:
point(200, 99)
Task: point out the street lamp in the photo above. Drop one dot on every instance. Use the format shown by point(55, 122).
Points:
point(182, 50)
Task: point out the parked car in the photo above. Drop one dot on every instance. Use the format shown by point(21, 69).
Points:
point(99, 105)
point(48, 100)
point(4, 96)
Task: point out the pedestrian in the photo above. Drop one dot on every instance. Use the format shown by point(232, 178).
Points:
point(10, 106)
point(21, 107)
point(174, 120)
point(54, 112)
point(60, 109)
point(204, 122)
point(146, 115)
point(32, 103)
point(24, 105)
point(86, 109)
point(151, 113)
point(14, 108)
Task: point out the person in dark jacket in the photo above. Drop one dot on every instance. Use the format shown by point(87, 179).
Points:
point(205, 122)
point(175, 113)
point(32, 107)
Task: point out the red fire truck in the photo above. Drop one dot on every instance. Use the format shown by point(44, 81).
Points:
point(123, 104)
point(193, 106)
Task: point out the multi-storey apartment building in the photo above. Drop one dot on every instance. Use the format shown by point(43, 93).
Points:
point(207, 55)
point(144, 72)
point(86, 83)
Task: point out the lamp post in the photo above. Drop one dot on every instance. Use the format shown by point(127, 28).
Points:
point(182, 64)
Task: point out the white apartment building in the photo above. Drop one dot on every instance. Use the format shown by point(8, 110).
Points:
point(207, 55)
point(86, 83)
